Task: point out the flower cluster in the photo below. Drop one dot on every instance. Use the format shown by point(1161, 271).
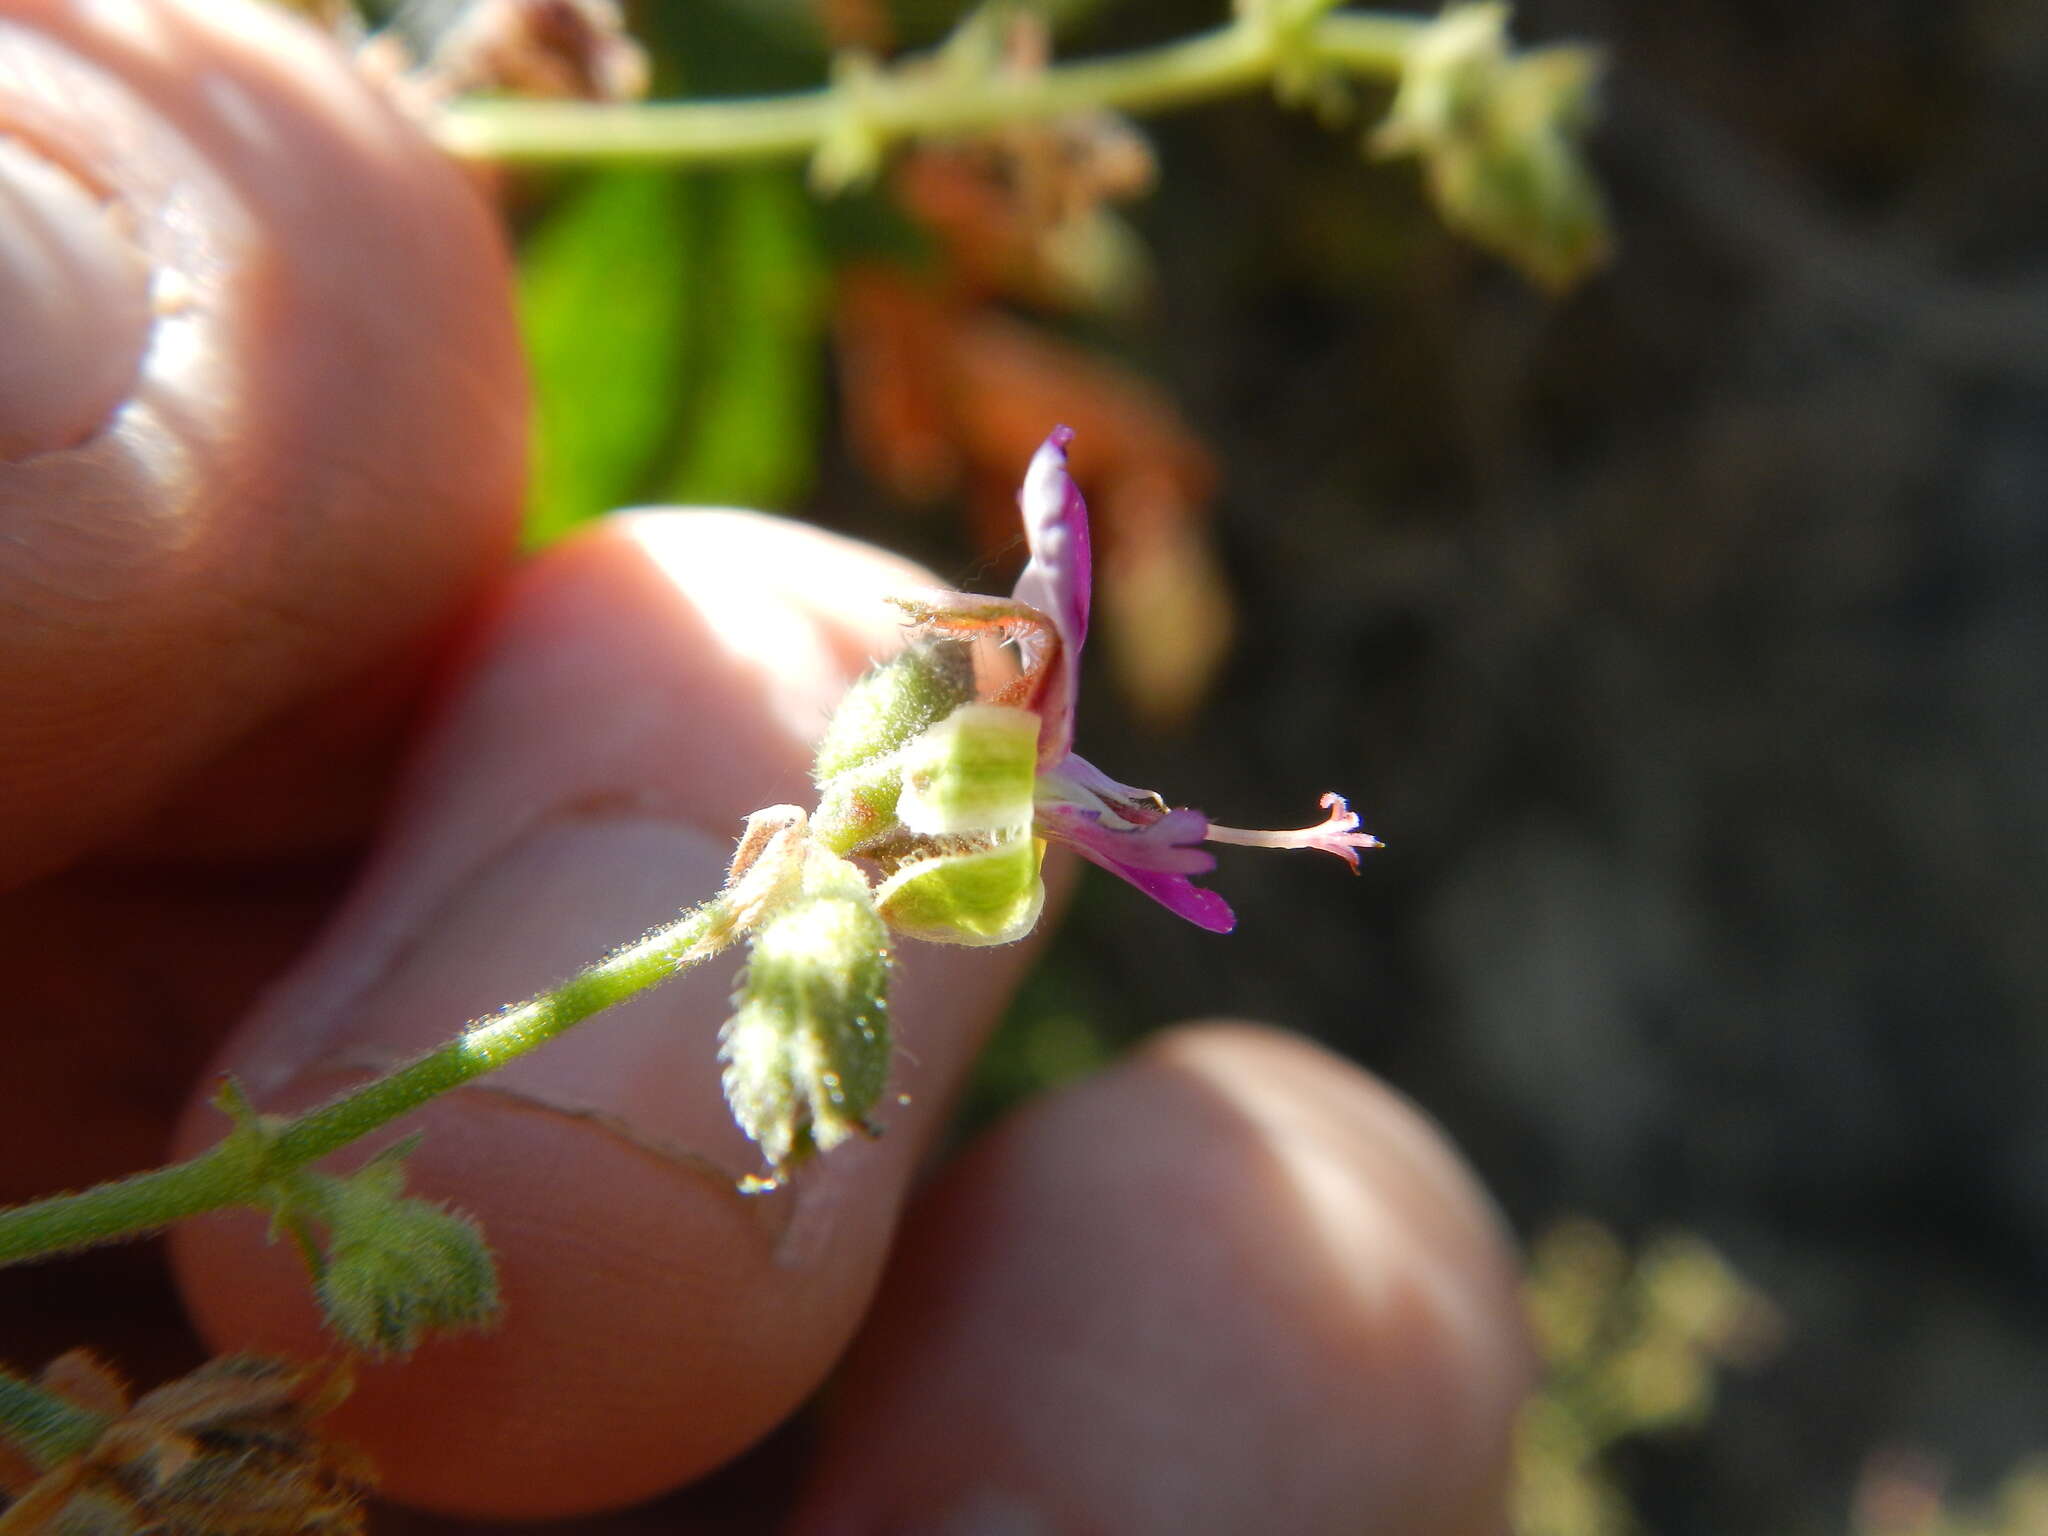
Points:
point(999, 771)
point(945, 773)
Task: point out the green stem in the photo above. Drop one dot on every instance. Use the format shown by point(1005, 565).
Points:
point(44, 1424)
point(898, 103)
point(226, 1176)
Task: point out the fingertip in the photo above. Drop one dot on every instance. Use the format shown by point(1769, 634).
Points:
point(1232, 1284)
point(295, 473)
point(1307, 1102)
point(636, 691)
point(74, 305)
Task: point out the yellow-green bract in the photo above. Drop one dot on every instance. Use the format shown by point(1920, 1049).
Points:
point(967, 791)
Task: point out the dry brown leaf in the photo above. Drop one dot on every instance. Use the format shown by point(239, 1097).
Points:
point(895, 347)
point(943, 396)
point(229, 1450)
point(1022, 211)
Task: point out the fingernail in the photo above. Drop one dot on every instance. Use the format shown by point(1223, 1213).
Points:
point(563, 893)
point(74, 305)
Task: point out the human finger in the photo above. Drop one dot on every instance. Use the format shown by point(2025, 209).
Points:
point(640, 690)
point(1232, 1285)
point(261, 427)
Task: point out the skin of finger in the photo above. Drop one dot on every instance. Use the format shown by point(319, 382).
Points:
point(1232, 1285)
point(123, 983)
point(225, 595)
point(639, 690)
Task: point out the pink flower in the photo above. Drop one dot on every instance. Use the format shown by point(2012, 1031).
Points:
point(1130, 832)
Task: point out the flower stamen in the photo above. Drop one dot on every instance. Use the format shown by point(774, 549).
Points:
point(1339, 834)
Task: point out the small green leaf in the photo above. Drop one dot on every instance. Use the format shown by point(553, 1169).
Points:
point(419, 1267)
point(758, 387)
point(392, 1267)
point(605, 305)
point(1499, 136)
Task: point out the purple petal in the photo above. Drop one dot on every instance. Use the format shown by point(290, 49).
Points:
point(1177, 893)
point(1171, 845)
point(1158, 859)
point(1183, 898)
point(1057, 581)
point(1078, 782)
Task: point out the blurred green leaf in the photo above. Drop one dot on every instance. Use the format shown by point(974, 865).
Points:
point(1058, 1029)
point(755, 418)
point(605, 305)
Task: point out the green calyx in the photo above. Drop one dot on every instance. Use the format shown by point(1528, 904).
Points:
point(975, 771)
point(893, 703)
point(976, 896)
point(970, 873)
point(857, 775)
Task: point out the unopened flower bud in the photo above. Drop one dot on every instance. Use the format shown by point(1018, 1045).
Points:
point(857, 774)
point(806, 1051)
point(1498, 134)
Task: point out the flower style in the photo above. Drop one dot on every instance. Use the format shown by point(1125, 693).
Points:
point(1128, 831)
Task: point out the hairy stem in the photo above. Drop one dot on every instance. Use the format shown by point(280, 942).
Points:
point(897, 103)
point(225, 1175)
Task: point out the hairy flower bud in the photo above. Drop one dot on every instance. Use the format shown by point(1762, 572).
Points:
point(857, 774)
point(806, 1051)
point(1498, 134)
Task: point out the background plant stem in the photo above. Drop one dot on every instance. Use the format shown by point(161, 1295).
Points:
point(896, 102)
